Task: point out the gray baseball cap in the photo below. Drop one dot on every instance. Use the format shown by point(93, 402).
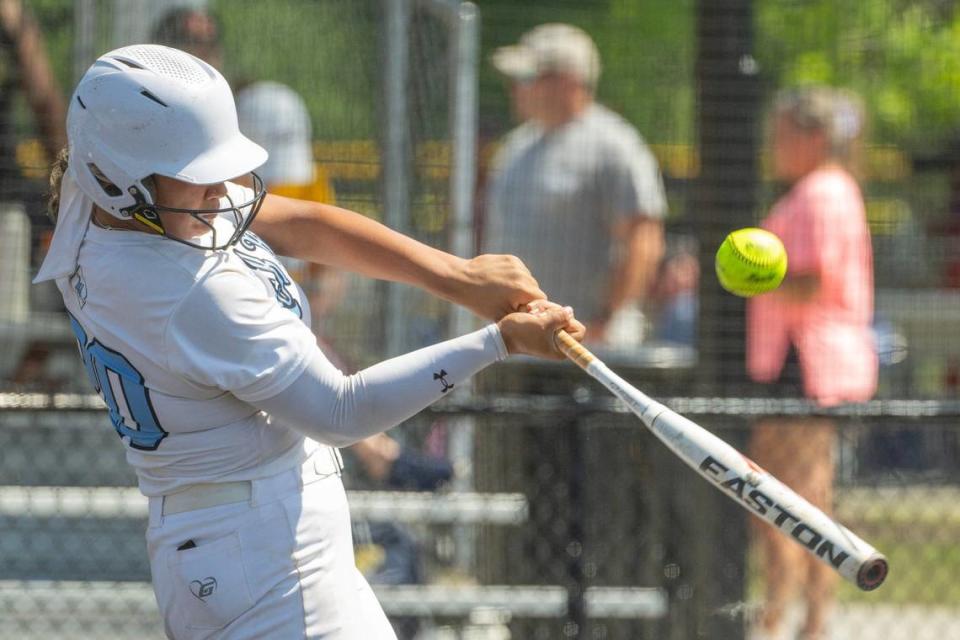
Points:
point(550, 47)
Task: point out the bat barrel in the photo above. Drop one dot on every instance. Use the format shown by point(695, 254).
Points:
point(741, 479)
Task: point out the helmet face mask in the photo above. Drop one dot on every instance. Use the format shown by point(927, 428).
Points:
point(224, 225)
point(148, 110)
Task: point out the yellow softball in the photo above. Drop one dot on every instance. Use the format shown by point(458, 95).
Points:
point(751, 261)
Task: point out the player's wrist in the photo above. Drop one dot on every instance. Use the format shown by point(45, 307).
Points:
point(496, 336)
point(446, 277)
point(502, 329)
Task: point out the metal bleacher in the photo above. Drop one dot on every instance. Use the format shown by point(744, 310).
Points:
point(73, 560)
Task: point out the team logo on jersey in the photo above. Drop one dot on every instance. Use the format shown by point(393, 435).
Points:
point(203, 589)
point(79, 286)
point(442, 377)
point(258, 256)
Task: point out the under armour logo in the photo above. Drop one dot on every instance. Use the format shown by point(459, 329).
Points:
point(203, 589)
point(442, 377)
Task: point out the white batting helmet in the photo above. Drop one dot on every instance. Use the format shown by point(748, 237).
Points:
point(147, 110)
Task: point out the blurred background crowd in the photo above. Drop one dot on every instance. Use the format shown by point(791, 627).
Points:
point(611, 144)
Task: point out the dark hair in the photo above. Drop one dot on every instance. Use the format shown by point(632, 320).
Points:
point(57, 169)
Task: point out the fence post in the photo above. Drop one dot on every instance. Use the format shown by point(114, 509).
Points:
point(728, 97)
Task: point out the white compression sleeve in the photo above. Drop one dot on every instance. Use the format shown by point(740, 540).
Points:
point(340, 410)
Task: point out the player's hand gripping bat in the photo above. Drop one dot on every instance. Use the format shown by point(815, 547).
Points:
point(741, 479)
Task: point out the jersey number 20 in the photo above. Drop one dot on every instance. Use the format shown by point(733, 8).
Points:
point(122, 389)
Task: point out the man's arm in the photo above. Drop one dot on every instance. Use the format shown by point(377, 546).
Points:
point(640, 246)
point(489, 285)
point(635, 197)
point(641, 241)
point(22, 34)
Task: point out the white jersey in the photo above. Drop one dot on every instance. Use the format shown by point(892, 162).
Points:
point(158, 323)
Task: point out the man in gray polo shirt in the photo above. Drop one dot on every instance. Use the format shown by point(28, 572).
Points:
point(574, 190)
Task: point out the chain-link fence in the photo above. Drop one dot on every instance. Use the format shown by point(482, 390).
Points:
point(564, 517)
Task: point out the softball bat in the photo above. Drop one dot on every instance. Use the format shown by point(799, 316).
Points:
point(741, 479)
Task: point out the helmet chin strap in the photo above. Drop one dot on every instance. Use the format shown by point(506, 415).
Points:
point(144, 212)
point(149, 217)
point(107, 221)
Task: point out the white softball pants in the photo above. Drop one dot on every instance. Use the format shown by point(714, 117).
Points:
point(279, 565)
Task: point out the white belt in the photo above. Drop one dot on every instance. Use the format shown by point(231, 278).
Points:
point(325, 462)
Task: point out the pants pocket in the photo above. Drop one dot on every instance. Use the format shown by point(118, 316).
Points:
point(209, 584)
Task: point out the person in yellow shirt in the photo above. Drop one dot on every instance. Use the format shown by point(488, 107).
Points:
point(276, 117)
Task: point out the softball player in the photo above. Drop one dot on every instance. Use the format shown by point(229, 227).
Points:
point(198, 341)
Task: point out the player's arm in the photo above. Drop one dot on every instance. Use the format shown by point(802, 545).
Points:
point(489, 285)
point(229, 335)
point(341, 410)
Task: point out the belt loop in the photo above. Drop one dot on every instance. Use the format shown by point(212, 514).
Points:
point(155, 511)
point(337, 460)
point(256, 486)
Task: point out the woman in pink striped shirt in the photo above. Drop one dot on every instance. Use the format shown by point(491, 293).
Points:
point(812, 336)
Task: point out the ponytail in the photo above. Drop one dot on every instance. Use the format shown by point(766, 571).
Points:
point(57, 169)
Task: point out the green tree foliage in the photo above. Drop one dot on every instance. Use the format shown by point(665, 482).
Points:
point(647, 48)
point(902, 56)
point(327, 51)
